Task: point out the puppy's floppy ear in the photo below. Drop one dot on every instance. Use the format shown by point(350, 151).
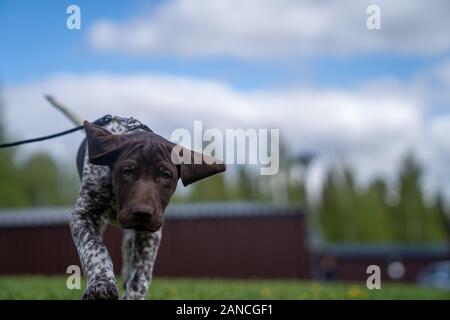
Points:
point(103, 146)
point(194, 166)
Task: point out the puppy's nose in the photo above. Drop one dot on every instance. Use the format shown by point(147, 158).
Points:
point(143, 212)
point(147, 219)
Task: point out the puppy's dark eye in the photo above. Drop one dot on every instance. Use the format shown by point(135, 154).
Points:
point(127, 172)
point(165, 174)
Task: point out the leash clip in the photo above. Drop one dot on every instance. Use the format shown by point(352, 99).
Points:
point(133, 124)
point(103, 120)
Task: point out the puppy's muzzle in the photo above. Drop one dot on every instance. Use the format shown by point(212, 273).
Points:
point(141, 218)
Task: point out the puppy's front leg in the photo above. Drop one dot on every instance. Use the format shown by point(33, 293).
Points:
point(145, 249)
point(94, 257)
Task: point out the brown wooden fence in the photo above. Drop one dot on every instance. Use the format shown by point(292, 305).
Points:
point(238, 241)
point(211, 240)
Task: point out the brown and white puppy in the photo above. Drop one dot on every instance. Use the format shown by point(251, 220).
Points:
point(127, 179)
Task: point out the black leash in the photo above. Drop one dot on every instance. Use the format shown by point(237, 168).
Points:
point(131, 123)
point(18, 143)
point(100, 122)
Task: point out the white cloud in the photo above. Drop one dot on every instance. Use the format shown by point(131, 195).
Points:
point(359, 126)
point(277, 28)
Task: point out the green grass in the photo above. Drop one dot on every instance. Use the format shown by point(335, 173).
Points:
point(35, 287)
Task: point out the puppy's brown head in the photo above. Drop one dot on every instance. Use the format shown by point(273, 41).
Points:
point(144, 177)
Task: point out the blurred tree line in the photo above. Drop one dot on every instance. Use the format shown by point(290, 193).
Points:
point(38, 181)
point(347, 213)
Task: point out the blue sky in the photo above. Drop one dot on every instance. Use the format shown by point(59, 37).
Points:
point(36, 43)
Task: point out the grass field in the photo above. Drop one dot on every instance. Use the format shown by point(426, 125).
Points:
point(32, 287)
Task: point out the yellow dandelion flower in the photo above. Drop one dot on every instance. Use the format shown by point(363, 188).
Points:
point(356, 293)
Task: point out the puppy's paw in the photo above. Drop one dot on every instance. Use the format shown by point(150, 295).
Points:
point(133, 296)
point(101, 290)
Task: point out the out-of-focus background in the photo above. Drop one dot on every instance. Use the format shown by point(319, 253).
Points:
point(364, 118)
